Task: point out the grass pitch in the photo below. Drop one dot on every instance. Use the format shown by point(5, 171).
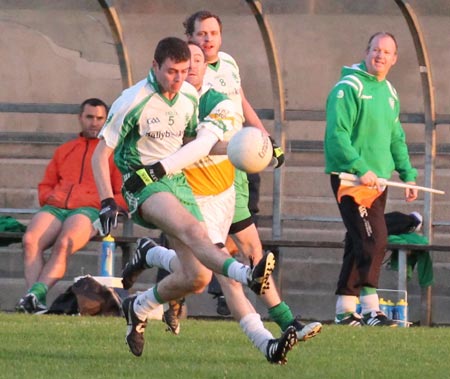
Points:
point(93, 347)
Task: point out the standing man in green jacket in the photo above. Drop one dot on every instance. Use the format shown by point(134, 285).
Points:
point(364, 137)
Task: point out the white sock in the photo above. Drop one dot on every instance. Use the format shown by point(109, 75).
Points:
point(369, 303)
point(345, 304)
point(145, 303)
point(254, 329)
point(159, 256)
point(238, 272)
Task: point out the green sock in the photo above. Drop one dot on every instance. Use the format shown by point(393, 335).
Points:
point(369, 300)
point(156, 293)
point(367, 291)
point(40, 290)
point(341, 316)
point(226, 265)
point(282, 315)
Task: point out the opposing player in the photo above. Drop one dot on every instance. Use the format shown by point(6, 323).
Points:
point(222, 74)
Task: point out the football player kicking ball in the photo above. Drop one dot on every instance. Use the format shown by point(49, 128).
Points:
point(211, 180)
point(145, 125)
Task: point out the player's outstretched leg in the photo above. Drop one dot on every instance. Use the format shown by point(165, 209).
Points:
point(138, 263)
point(259, 275)
point(135, 327)
point(277, 349)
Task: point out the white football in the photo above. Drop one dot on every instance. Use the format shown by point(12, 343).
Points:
point(250, 150)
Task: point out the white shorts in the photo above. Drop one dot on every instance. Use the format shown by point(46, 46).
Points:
point(218, 212)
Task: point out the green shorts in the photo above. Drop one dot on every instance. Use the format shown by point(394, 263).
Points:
point(176, 185)
point(62, 214)
point(241, 211)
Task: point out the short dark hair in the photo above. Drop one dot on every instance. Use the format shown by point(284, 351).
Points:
point(93, 102)
point(189, 23)
point(193, 43)
point(387, 34)
point(173, 48)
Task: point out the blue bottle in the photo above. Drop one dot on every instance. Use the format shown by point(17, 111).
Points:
point(384, 307)
point(402, 313)
point(107, 261)
point(358, 306)
point(392, 312)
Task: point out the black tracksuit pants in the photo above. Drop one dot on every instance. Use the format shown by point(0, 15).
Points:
point(365, 242)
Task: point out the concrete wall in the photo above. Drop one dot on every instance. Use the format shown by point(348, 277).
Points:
point(63, 51)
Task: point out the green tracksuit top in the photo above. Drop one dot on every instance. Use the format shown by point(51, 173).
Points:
point(363, 130)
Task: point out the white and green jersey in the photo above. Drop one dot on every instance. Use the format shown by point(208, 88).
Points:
point(224, 77)
point(144, 127)
point(215, 173)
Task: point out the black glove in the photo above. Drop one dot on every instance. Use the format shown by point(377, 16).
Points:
point(109, 214)
point(277, 155)
point(143, 176)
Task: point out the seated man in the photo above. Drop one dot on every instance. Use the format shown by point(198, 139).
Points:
point(69, 215)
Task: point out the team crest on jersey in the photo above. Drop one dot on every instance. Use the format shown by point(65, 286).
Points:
point(392, 102)
point(340, 94)
point(220, 114)
point(153, 120)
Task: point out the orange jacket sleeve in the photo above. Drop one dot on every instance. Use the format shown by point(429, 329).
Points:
point(116, 183)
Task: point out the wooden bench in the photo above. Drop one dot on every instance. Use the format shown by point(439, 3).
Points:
point(125, 243)
point(127, 240)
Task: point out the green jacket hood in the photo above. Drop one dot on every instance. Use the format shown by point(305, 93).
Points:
point(363, 129)
point(359, 69)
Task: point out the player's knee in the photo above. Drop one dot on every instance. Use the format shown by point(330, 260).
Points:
point(255, 252)
point(200, 282)
point(27, 241)
point(30, 245)
point(64, 245)
point(195, 231)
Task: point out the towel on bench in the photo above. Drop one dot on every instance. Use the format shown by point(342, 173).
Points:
point(421, 258)
point(10, 224)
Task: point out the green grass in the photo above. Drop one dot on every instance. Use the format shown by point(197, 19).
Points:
point(93, 347)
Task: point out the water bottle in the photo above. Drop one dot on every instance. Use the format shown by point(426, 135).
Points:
point(392, 313)
point(384, 306)
point(402, 313)
point(358, 306)
point(107, 261)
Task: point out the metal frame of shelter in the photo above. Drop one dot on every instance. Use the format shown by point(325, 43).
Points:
point(279, 111)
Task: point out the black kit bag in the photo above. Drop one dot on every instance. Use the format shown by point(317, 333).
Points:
point(87, 297)
point(64, 304)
